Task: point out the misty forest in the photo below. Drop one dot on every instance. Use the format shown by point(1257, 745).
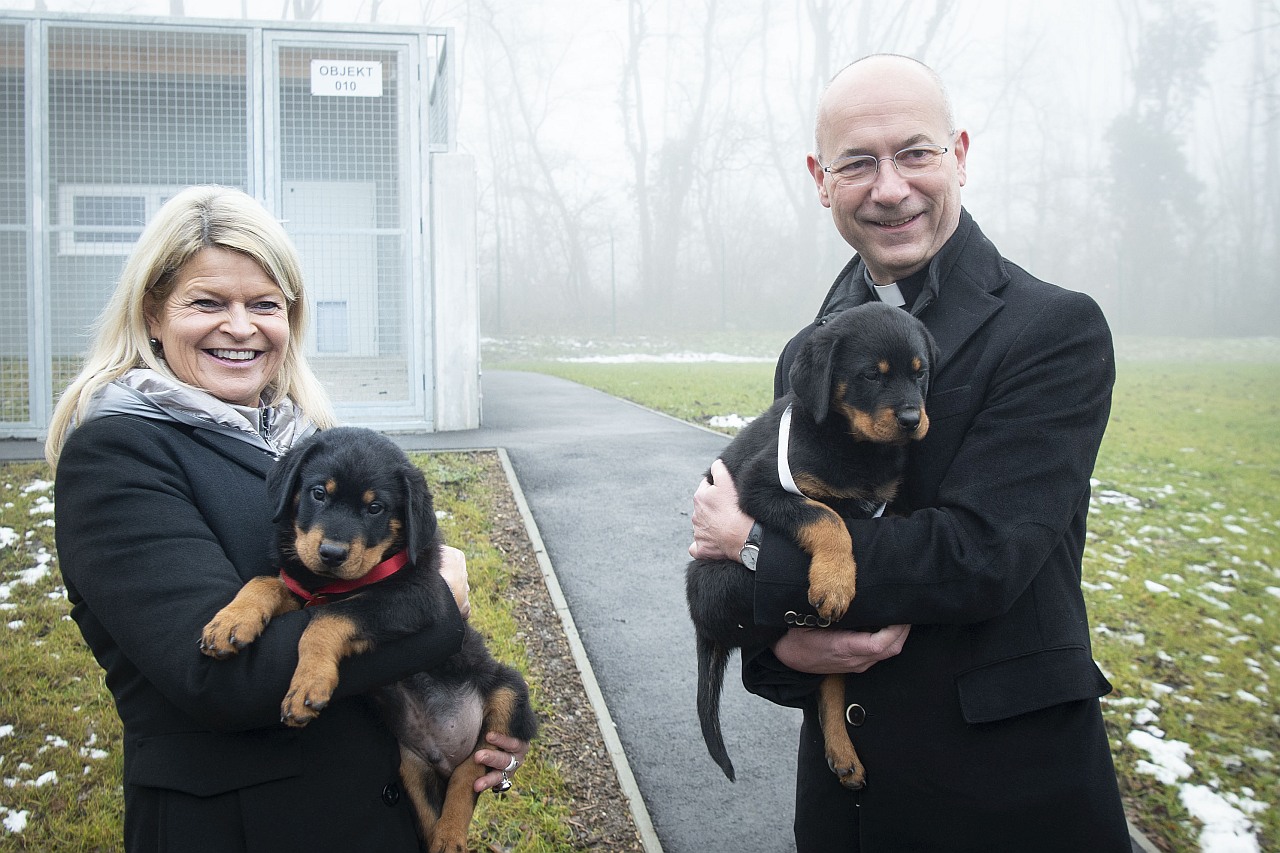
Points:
point(641, 162)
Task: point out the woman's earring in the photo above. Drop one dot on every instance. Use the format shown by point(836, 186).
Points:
point(157, 348)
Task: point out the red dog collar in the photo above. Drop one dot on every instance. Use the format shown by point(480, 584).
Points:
point(382, 571)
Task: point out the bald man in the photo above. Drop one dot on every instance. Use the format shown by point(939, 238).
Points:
point(974, 706)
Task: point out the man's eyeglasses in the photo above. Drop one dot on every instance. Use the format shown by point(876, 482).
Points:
point(910, 162)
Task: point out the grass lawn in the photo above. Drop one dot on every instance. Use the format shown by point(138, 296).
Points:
point(60, 756)
point(1181, 575)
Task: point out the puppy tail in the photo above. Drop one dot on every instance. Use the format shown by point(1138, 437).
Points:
point(712, 660)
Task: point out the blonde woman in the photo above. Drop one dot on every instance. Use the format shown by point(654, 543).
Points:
point(195, 383)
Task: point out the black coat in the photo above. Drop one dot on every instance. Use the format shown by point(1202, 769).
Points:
point(988, 721)
point(158, 526)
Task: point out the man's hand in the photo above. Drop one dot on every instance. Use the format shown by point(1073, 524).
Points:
point(720, 527)
point(821, 651)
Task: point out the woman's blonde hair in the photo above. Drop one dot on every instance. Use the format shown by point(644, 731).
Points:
point(194, 219)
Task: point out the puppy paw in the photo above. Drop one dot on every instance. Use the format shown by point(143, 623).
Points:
point(231, 630)
point(308, 695)
point(832, 584)
point(848, 769)
point(240, 622)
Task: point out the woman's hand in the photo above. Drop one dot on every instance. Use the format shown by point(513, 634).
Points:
point(720, 527)
point(822, 651)
point(504, 760)
point(453, 568)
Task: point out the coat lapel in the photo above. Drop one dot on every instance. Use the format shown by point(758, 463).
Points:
point(253, 459)
point(957, 314)
point(969, 274)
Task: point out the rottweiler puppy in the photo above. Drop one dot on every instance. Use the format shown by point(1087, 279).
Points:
point(356, 533)
point(835, 447)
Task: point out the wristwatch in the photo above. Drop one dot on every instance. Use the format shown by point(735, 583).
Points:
point(751, 550)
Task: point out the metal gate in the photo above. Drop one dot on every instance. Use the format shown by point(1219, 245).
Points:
point(102, 119)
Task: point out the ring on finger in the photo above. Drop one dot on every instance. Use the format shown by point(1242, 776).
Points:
point(515, 762)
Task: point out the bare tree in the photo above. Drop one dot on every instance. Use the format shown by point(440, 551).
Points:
point(636, 131)
point(554, 225)
point(1154, 195)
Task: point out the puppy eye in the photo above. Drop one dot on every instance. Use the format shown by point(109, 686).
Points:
point(872, 376)
point(375, 508)
point(318, 494)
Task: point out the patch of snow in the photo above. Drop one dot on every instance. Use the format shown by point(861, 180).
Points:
point(734, 421)
point(1168, 757)
point(1226, 829)
point(42, 506)
point(15, 822)
point(1111, 497)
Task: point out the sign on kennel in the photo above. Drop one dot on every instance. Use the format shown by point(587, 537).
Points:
point(345, 133)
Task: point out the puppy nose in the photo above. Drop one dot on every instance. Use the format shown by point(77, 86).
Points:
point(332, 553)
point(909, 419)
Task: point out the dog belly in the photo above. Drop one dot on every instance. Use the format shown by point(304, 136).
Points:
point(439, 722)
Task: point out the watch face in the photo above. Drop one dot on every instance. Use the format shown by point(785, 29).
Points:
point(748, 555)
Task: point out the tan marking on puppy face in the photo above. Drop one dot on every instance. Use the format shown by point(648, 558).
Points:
point(369, 497)
point(923, 429)
point(916, 363)
point(306, 544)
point(880, 426)
point(883, 366)
point(360, 559)
point(330, 486)
point(368, 557)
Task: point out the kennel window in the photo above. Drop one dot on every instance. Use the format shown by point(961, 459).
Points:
point(106, 220)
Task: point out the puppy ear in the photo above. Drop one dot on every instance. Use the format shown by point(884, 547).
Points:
point(419, 512)
point(282, 479)
point(812, 372)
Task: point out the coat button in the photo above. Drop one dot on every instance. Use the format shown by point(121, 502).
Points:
point(391, 794)
point(855, 714)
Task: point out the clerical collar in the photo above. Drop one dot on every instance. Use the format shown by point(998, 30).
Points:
point(900, 294)
point(890, 293)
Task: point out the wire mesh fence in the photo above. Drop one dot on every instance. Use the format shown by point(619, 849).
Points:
point(102, 121)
